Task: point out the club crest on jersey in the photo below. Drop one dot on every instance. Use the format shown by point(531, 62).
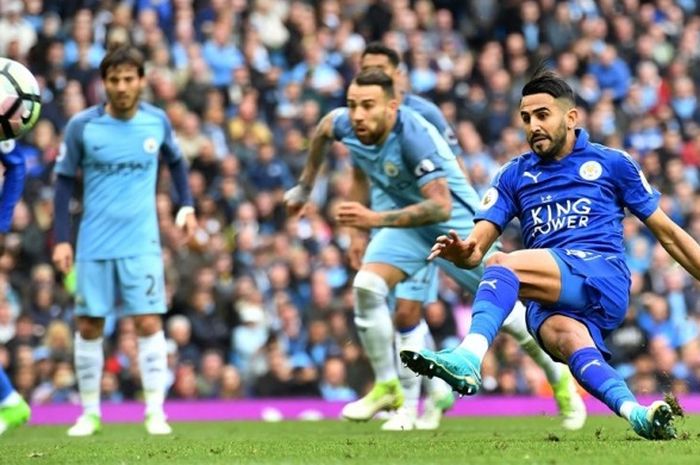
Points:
point(489, 199)
point(391, 169)
point(591, 170)
point(7, 146)
point(150, 145)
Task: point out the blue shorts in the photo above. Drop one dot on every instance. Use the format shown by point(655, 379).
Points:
point(421, 286)
point(408, 248)
point(134, 284)
point(595, 291)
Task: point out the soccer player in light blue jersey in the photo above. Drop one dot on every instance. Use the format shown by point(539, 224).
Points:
point(569, 195)
point(412, 153)
point(117, 147)
point(14, 411)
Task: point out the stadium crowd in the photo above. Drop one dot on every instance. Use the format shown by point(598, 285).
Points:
point(260, 304)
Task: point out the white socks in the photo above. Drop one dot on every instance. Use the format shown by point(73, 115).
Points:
point(626, 409)
point(89, 360)
point(413, 339)
point(374, 325)
point(12, 399)
point(476, 344)
point(153, 366)
point(515, 326)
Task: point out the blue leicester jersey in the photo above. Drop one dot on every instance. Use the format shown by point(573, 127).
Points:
point(575, 203)
point(413, 154)
point(119, 162)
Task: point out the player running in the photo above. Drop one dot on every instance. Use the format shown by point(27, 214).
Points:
point(569, 195)
point(117, 146)
point(401, 157)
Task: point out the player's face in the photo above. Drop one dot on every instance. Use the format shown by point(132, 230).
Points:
point(380, 62)
point(546, 121)
point(123, 87)
point(372, 113)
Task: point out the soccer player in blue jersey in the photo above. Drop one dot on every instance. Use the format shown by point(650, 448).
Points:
point(422, 140)
point(569, 195)
point(14, 411)
point(117, 146)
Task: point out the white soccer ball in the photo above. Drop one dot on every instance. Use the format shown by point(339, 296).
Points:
point(20, 99)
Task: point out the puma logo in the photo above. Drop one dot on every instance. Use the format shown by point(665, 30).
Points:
point(534, 177)
point(589, 364)
point(491, 283)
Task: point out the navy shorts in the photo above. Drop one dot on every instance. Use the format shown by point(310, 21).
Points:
point(595, 291)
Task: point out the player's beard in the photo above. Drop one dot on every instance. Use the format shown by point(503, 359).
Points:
point(124, 103)
point(372, 137)
point(556, 143)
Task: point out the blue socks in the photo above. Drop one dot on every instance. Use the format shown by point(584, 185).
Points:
point(495, 298)
point(5, 387)
point(600, 379)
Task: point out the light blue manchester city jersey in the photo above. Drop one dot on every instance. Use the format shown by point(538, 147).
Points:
point(119, 162)
point(414, 154)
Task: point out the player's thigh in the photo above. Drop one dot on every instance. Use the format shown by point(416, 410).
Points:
point(95, 294)
point(537, 270)
point(391, 250)
point(141, 284)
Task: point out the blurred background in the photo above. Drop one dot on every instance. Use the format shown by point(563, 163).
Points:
point(260, 304)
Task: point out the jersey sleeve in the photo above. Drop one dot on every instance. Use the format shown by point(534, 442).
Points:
point(636, 192)
point(434, 116)
point(70, 155)
point(170, 150)
point(420, 152)
point(498, 204)
point(341, 123)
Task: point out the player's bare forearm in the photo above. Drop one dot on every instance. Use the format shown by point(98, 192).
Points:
point(436, 208)
point(678, 243)
point(319, 145)
point(419, 214)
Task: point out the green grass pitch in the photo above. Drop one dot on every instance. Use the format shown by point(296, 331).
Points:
point(469, 441)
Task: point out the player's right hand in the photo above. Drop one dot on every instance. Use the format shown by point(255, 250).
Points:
point(463, 253)
point(63, 257)
point(295, 199)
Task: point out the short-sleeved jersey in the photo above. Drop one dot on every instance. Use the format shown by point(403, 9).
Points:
point(576, 203)
point(414, 154)
point(119, 162)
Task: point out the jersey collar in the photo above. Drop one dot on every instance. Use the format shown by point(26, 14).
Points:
point(581, 139)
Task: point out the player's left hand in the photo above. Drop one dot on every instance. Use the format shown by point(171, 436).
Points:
point(187, 221)
point(357, 215)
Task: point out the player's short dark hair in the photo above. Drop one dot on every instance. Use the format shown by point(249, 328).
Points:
point(122, 55)
point(378, 48)
point(376, 77)
point(545, 81)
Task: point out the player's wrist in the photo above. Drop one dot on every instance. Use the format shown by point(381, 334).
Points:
point(182, 213)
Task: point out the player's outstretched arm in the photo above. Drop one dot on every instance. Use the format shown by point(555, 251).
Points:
point(678, 243)
point(467, 253)
point(321, 140)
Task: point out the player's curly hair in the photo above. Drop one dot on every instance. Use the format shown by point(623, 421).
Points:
point(122, 55)
point(546, 81)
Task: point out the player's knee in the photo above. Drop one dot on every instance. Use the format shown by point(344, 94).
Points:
point(369, 289)
point(90, 328)
point(407, 313)
point(147, 325)
point(498, 258)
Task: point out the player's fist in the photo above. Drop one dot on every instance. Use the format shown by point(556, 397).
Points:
point(356, 215)
point(463, 253)
point(295, 199)
point(187, 221)
point(63, 257)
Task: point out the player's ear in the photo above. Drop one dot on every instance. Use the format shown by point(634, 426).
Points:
point(393, 103)
point(572, 118)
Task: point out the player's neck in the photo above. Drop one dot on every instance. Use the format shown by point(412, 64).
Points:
point(123, 115)
point(568, 147)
